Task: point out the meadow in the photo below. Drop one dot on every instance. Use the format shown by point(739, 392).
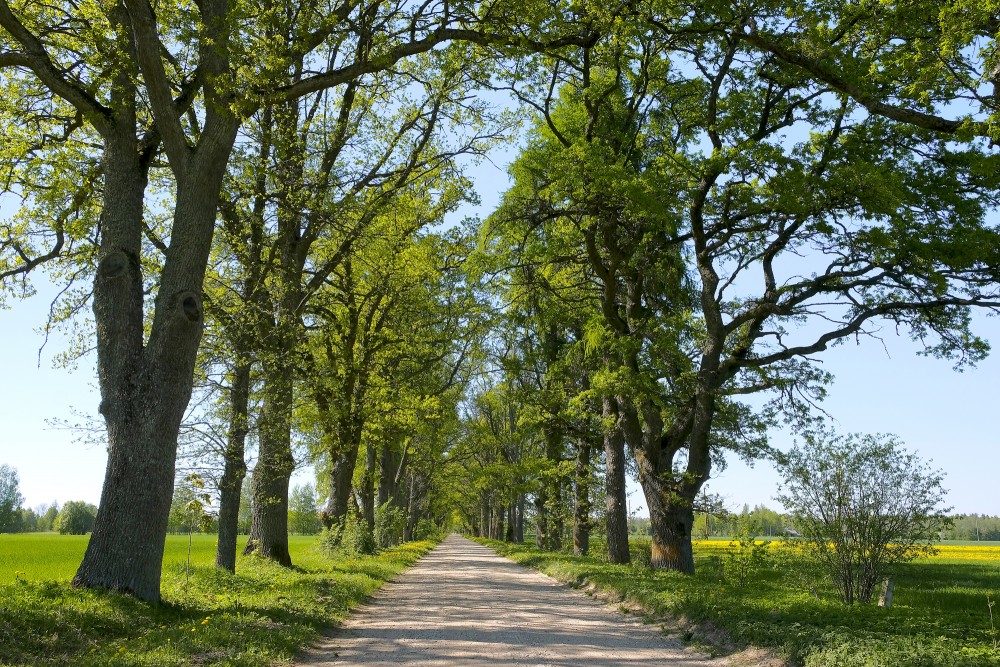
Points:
point(262, 614)
point(940, 616)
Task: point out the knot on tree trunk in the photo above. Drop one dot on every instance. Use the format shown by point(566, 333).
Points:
point(189, 305)
point(115, 264)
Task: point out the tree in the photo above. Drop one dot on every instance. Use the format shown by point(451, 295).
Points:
point(864, 504)
point(303, 515)
point(76, 518)
point(47, 518)
point(10, 499)
point(201, 70)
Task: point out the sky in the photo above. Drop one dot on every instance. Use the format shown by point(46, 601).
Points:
point(945, 416)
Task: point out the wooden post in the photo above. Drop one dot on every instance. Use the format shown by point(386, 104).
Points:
point(885, 599)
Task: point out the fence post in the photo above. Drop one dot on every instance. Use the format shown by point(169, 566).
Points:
point(885, 599)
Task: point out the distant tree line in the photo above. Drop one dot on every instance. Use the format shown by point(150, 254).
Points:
point(974, 527)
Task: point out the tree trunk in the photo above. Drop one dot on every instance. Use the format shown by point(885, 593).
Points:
point(553, 522)
point(519, 528)
point(413, 516)
point(387, 484)
point(145, 390)
point(671, 523)
point(498, 512)
point(367, 490)
point(235, 468)
point(616, 507)
point(541, 518)
point(581, 500)
point(341, 475)
point(271, 475)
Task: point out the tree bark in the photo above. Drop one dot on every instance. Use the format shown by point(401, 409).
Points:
point(341, 475)
point(367, 490)
point(616, 507)
point(541, 517)
point(671, 520)
point(271, 475)
point(415, 509)
point(145, 390)
point(581, 500)
point(519, 528)
point(235, 468)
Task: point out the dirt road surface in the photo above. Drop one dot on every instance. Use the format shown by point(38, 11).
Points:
point(464, 605)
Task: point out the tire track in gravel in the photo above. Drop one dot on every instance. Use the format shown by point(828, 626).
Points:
point(462, 604)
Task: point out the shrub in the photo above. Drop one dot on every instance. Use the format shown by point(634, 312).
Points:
point(353, 537)
point(746, 557)
point(864, 504)
point(389, 525)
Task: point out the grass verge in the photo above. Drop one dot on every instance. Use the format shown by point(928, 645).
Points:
point(262, 615)
point(940, 618)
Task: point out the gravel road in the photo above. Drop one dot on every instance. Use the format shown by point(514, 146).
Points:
point(464, 605)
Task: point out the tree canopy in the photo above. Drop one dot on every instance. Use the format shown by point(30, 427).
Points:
point(258, 206)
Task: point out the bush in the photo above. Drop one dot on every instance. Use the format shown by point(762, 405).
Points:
point(747, 557)
point(390, 523)
point(353, 537)
point(864, 504)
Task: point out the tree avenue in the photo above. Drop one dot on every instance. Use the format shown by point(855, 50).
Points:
point(705, 200)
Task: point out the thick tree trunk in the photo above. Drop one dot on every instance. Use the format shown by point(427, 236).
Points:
point(388, 464)
point(145, 390)
point(484, 519)
point(498, 513)
point(235, 468)
point(616, 507)
point(271, 475)
point(541, 518)
point(519, 527)
point(511, 520)
point(341, 474)
point(671, 522)
point(367, 490)
point(413, 515)
point(581, 500)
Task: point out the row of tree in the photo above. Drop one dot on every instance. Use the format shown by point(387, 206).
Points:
point(250, 199)
point(74, 518)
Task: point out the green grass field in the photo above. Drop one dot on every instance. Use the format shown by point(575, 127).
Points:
point(40, 556)
point(940, 617)
point(261, 615)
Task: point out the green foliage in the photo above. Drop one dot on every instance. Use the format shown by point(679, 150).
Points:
point(75, 518)
point(939, 616)
point(390, 523)
point(358, 537)
point(303, 515)
point(747, 557)
point(864, 504)
point(263, 614)
point(353, 537)
point(189, 509)
point(10, 500)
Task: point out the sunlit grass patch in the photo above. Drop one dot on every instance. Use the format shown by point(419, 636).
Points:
point(940, 616)
point(261, 614)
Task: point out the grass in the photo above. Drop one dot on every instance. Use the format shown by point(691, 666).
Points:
point(939, 617)
point(261, 615)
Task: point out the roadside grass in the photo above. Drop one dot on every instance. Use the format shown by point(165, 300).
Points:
point(261, 615)
point(939, 616)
